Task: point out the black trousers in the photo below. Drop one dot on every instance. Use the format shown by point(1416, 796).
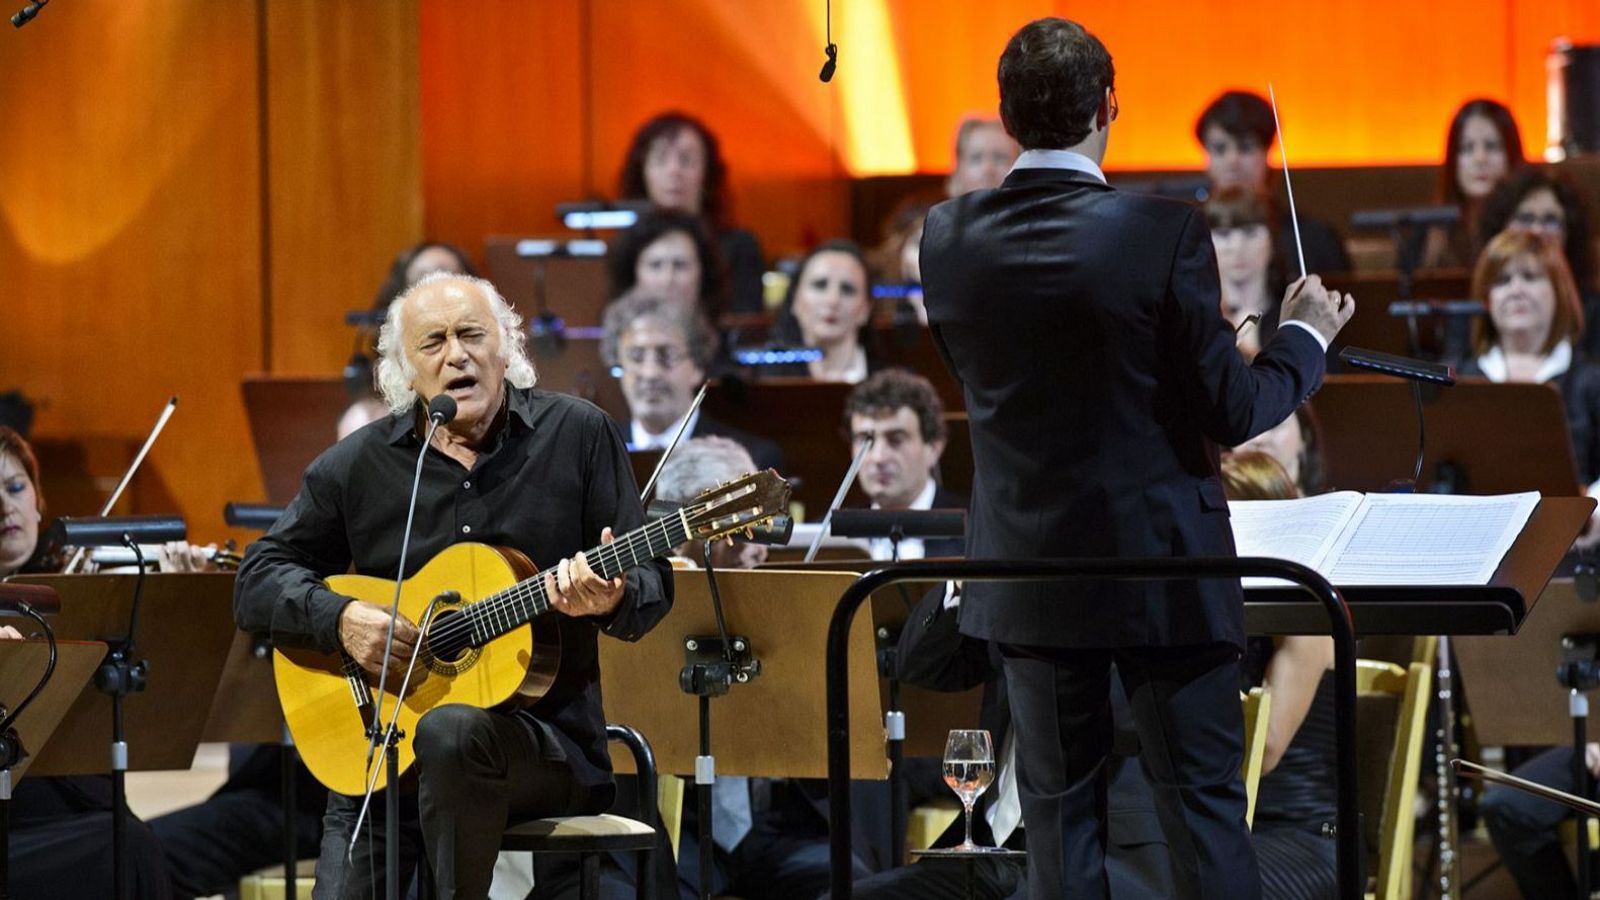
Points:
point(1524, 827)
point(1186, 709)
point(477, 771)
point(239, 829)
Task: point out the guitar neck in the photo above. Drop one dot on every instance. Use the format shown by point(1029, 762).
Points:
point(519, 604)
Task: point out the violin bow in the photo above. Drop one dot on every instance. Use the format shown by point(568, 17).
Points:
point(161, 423)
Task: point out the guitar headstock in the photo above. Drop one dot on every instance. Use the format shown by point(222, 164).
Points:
point(737, 505)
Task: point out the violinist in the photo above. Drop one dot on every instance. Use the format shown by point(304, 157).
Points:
point(61, 826)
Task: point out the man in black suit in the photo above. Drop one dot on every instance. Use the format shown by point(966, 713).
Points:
point(901, 411)
point(663, 349)
point(1083, 324)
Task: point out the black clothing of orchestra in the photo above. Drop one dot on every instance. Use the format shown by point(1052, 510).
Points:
point(239, 829)
point(60, 843)
point(554, 473)
point(1323, 246)
point(1084, 326)
point(1526, 829)
point(1580, 397)
point(1297, 799)
point(764, 453)
point(741, 253)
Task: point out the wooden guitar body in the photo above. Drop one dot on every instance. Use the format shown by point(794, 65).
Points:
point(317, 690)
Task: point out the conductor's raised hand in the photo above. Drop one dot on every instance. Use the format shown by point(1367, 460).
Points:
point(576, 589)
point(363, 628)
point(1308, 301)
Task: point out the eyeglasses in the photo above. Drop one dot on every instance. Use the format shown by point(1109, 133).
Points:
point(667, 357)
point(1539, 222)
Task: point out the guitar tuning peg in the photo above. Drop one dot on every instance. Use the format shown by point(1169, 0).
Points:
point(750, 532)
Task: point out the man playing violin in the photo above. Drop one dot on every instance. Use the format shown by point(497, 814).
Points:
point(543, 473)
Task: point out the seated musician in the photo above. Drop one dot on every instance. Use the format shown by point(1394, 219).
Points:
point(1535, 318)
point(828, 306)
point(1295, 802)
point(1482, 146)
point(984, 154)
point(668, 254)
point(1296, 444)
point(903, 414)
point(675, 162)
point(663, 349)
point(1237, 131)
point(60, 826)
point(1248, 263)
point(1543, 201)
point(542, 473)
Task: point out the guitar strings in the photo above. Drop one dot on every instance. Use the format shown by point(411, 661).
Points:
point(506, 605)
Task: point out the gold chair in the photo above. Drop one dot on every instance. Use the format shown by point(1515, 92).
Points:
point(1257, 712)
point(1392, 713)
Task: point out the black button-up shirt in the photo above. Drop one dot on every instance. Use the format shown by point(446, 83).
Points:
point(554, 474)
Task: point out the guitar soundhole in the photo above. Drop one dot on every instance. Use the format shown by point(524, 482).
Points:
point(449, 649)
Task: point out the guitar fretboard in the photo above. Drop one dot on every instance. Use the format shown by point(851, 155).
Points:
point(484, 620)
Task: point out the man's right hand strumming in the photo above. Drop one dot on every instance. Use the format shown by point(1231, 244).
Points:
point(1308, 301)
point(362, 629)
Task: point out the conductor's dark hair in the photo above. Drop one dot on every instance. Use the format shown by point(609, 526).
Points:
point(1501, 206)
point(1504, 123)
point(714, 189)
point(622, 261)
point(1244, 116)
point(1053, 74)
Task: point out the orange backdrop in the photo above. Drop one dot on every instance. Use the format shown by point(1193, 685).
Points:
point(528, 104)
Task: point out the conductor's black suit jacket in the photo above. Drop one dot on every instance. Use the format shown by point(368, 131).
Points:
point(1100, 379)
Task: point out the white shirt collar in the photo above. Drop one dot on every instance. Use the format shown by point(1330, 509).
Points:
point(1058, 159)
point(924, 500)
point(641, 439)
point(1559, 360)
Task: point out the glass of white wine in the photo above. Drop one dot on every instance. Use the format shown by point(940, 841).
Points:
point(968, 770)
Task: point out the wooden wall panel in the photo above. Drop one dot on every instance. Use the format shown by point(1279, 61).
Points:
point(129, 215)
point(344, 168)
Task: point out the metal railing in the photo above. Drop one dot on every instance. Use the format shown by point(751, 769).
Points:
point(1351, 886)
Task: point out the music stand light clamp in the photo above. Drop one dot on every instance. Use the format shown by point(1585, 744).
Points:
point(711, 665)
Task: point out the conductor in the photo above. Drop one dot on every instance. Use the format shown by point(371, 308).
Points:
point(1084, 326)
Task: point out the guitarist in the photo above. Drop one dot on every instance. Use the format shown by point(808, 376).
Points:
point(546, 474)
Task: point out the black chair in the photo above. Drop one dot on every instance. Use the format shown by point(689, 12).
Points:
point(593, 836)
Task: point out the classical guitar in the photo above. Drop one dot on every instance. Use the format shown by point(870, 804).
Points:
point(487, 640)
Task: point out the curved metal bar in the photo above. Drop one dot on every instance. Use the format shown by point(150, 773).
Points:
point(1351, 883)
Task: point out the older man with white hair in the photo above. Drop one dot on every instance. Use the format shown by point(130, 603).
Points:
point(517, 467)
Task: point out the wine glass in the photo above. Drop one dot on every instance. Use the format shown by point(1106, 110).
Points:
point(968, 770)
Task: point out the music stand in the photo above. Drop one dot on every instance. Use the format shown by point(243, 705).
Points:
point(292, 420)
point(1361, 458)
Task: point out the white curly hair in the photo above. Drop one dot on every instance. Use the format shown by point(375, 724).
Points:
point(395, 372)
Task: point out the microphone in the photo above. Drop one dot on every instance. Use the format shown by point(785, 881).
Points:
point(832, 62)
point(26, 14)
point(441, 410)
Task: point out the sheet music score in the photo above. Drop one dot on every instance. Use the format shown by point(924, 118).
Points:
point(1384, 539)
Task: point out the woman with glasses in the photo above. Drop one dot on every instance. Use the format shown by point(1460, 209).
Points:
point(1539, 201)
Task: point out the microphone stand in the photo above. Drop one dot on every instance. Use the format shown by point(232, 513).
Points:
point(712, 665)
point(119, 676)
point(441, 409)
point(1418, 372)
